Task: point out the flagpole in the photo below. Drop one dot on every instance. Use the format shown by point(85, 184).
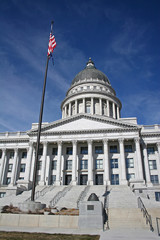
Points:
point(39, 129)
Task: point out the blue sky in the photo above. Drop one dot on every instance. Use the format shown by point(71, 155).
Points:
point(121, 36)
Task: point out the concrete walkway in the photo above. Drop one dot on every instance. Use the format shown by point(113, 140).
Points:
point(121, 234)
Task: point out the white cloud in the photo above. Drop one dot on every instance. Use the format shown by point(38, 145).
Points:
point(144, 104)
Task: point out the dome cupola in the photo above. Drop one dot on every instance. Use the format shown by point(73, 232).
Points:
point(90, 72)
point(91, 93)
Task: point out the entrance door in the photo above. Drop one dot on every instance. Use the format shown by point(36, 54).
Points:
point(68, 179)
point(83, 179)
point(115, 179)
point(99, 179)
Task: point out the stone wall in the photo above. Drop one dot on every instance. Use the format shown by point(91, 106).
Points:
point(46, 221)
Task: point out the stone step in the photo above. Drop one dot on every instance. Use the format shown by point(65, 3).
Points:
point(126, 218)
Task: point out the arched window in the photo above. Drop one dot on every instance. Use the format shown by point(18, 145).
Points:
point(88, 106)
point(104, 108)
point(73, 109)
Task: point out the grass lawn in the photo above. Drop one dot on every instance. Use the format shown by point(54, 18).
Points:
point(44, 236)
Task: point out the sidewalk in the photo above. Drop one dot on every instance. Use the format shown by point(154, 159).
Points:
point(121, 234)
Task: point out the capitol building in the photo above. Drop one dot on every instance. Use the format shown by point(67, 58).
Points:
point(91, 145)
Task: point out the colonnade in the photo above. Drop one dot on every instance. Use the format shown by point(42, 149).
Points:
point(138, 166)
point(106, 107)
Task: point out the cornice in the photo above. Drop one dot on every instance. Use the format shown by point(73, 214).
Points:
point(14, 140)
point(156, 134)
point(70, 132)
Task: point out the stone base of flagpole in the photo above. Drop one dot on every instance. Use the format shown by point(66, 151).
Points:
point(31, 206)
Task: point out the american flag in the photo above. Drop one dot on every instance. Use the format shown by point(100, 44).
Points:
point(52, 44)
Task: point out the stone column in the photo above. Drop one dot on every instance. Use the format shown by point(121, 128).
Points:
point(74, 163)
point(108, 110)
point(76, 106)
point(92, 106)
point(2, 168)
point(90, 163)
point(118, 116)
point(158, 160)
point(65, 111)
point(100, 106)
point(69, 110)
point(29, 161)
point(123, 180)
point(33, 161)
point(146, 165)
point(106, 163)
point(59, 157)
point(84, 107)
point(113, 107)
point(14, 169)
point(139, 160)
point(44, 158)
point(158, 147)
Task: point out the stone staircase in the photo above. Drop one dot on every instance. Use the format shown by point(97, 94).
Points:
point(121, 197)
point(71, 197)
point(16, 199)
point(48, 196)
point(122, 209)
point(99, 190)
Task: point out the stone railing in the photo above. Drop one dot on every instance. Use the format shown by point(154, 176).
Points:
point(12, 134)
point(82, 195)
point(150, 127)
point(59, 195)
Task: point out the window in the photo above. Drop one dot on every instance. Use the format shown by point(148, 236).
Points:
point(2, 194)
point(40, 152)
point(69, 150)
point(39, 165)
point(99, 163)
point(152, 164)
point(53, 179)
point(54, 151)
point(157, 196)
point(115, 179)
point(10, 166)
point(98, 149)
point(8, 180)
point(129, 163)
point(88, 107)
point(69, 165)
point(113, 149)
point(0, 153)
point(24, 154)
point(84, 150)
point(21, 178)
point(84, 164)
point(130, 176)
point(11, 154)
point(154, 179)
point(150, 150)
point(54, 165)
point(114, 163)
point(22, 167)
point(128, 148)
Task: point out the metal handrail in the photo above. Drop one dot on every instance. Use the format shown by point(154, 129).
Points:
point(145, 213)
point(158, 228)
point(82, 195)
point(59, 195)
point(39, 193)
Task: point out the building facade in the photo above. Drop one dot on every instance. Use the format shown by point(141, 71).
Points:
point(90, 145)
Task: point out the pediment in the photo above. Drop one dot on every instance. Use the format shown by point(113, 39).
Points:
point(85, 123)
